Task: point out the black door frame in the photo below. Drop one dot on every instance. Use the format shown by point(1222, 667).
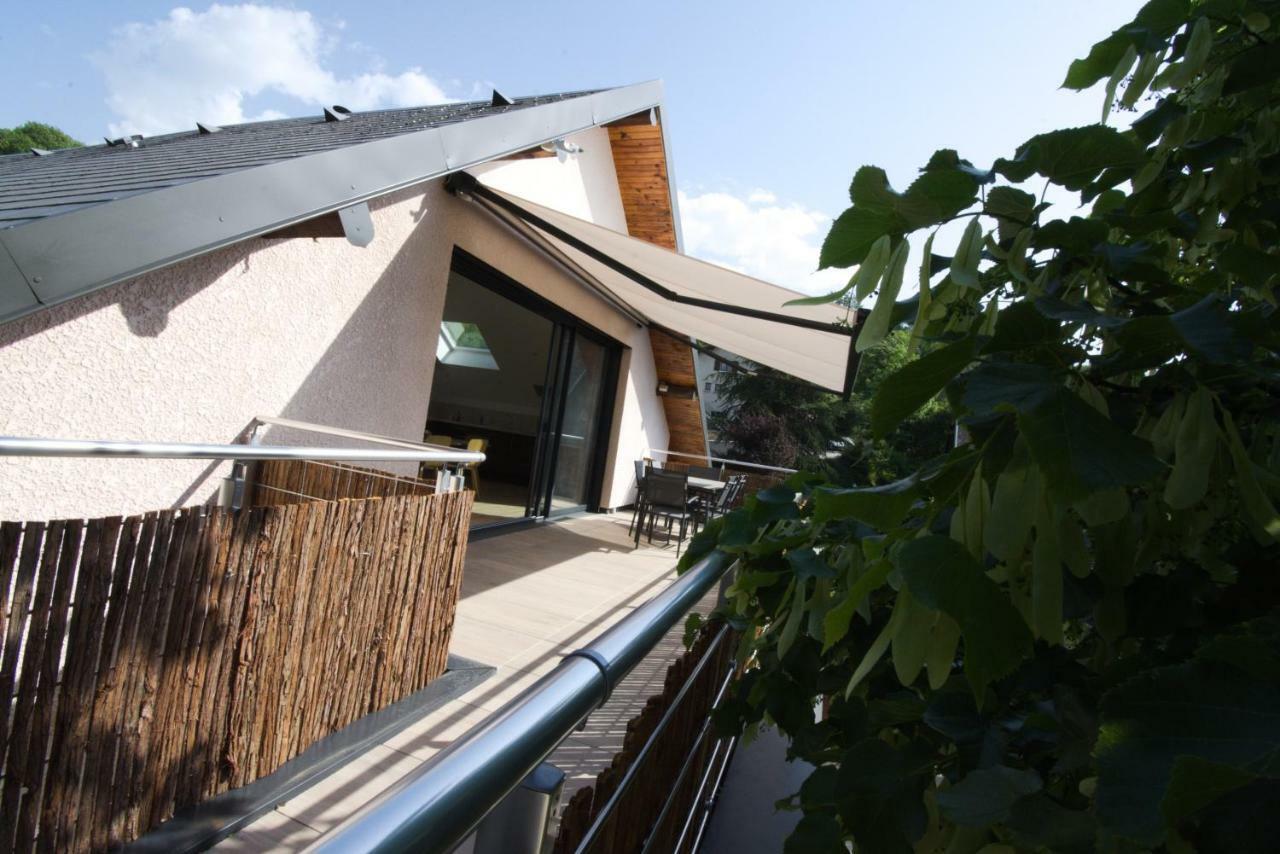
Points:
point(567, 327)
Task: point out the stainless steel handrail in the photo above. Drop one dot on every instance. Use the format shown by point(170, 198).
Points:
point(436, 806)
point(737, 463)
point(344, 433)
point(17, 446)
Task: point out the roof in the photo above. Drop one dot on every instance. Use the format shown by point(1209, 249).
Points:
point(77, 220)
point(33, 187)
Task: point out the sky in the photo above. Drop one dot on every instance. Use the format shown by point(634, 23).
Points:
point(769, 107)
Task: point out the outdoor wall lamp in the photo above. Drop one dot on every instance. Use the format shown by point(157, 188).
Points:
point(685, 391)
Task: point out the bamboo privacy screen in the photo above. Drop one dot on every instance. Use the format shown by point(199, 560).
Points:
point(154, 661)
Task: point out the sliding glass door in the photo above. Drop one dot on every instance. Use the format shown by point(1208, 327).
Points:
point(580, 424)
point(532, 382)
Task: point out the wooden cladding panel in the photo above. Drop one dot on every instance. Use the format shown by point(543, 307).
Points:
point(161, 659)
point(640, 161)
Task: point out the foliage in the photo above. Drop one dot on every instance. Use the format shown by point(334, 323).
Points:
point(23, 138)
point(761, 436)
point(1062, 635)
point(827, 432)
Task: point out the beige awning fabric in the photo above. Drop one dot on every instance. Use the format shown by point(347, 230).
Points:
point(813, 354)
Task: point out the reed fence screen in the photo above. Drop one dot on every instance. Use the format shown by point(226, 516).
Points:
point(151, 662)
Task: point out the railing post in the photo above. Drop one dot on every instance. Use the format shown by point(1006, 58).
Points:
point(519, 823)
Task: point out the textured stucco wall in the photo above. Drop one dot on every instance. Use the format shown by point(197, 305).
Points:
point(315, 330)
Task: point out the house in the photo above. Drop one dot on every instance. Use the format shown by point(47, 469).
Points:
point(506, 271)
point(503, 275)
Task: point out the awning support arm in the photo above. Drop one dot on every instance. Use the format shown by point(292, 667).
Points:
point(462, 181)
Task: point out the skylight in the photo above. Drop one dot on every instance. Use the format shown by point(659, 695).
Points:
point(462, 344)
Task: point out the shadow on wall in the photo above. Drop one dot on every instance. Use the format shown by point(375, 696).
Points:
point(145, 302)
point(375, 373)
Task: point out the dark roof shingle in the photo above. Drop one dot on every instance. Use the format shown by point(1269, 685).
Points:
point(33, 187)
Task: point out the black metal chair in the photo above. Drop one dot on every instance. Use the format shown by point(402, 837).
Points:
point(708, 472)
point(637, 515)
point(667, 498)
point(720, 503)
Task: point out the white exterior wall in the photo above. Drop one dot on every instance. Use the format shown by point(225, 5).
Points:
point(310, 329)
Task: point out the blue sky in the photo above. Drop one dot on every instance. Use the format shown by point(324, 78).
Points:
point(770, 106)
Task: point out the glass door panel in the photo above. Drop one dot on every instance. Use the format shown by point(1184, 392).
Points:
point(584, 386)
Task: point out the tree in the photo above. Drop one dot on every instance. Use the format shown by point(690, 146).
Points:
point(867, 458)
point(1063, 634)
point(824, 432)
point(23, 138)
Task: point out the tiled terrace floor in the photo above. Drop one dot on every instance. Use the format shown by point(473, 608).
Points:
point(527, 599)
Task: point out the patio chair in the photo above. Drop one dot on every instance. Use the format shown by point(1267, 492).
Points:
point(737, 485)
point(472, 470)
point(637, 514)
point(717, 505)
point(428, 470)
point(667, 498)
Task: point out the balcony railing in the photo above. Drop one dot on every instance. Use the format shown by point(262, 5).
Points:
point(438, 805)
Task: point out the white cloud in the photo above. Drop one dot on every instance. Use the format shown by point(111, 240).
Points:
point(760, 236)
point(203, 66)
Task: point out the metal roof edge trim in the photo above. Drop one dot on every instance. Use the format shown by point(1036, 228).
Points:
point(63, 257)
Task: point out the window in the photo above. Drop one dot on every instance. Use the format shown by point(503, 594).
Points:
point(462, 344)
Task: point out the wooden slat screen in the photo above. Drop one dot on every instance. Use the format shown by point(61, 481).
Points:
point(633, 819)
point(153, 661)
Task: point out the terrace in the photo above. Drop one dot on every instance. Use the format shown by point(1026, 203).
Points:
point(528, 598)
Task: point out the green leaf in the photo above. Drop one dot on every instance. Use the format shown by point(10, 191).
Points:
point(943, 576)
point(1079, 451)
point(986, 796)
point(910, 641)
point(836, 624)
point(941, 656)
point(1257, 505)
point(1198, 710)
point(1195, 446)
point(1195, 783)
point(1117, 74)
point(851, 237)
point(791, 628)
point(1142, 77)
point(1209, 329)
point(1013, 506)
point(1013, 208)
point(924, 297)
point(903, 392)
point(936, 196)
point(881, 507)
point(872, 269)
point(964, 264)
point(809, 564)
point(875, 327)
point(1072, 157)
point(1199, 44)
point(1153, 23)
point(825, 298)
point(1046, 578)
point(1007, 387)
point(877, 649)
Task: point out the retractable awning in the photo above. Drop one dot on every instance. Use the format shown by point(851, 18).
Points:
point(737, 313)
